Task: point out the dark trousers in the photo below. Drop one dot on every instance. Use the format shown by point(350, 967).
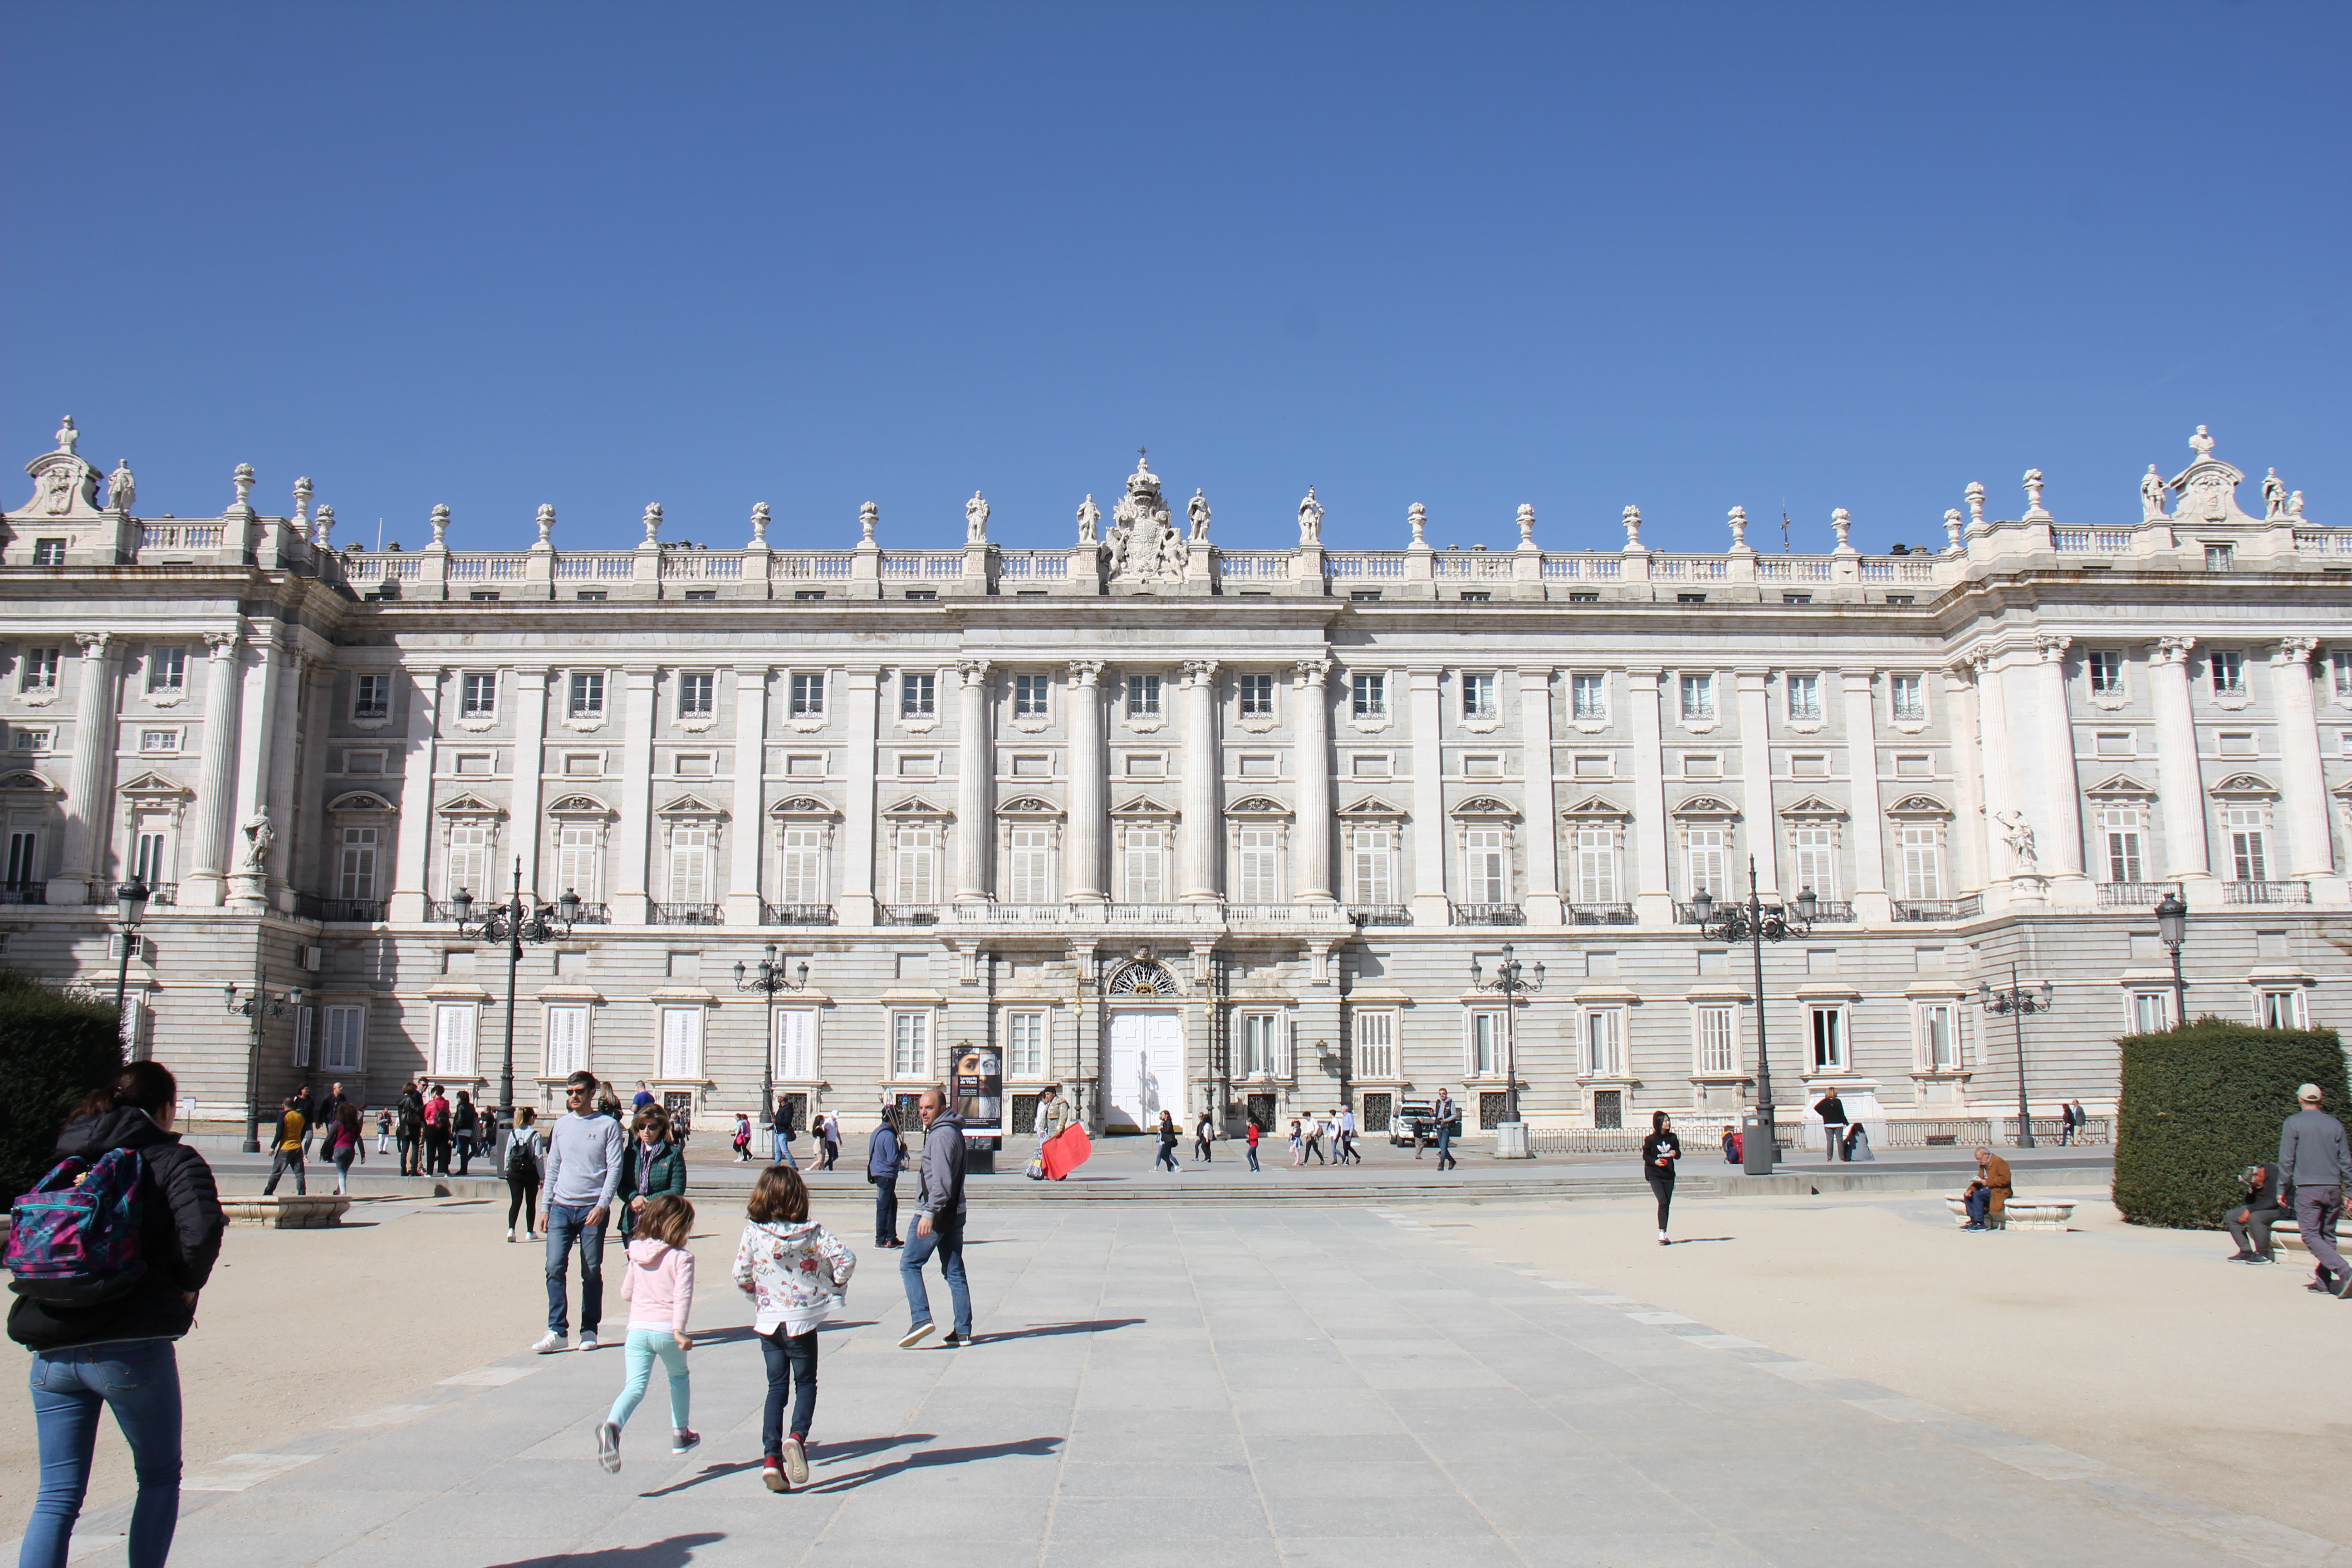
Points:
point(522, 1197)
point(791, 1360)
point(1662, 1187)
point(1445, 1160)
point(280, 1161)
point(885, 1209)
point(408, 1160)
point(465, 1152)
point(1313, 1147)
point(2317, 1210)
point(2250, 1227)
point(1201, 1146)
point(1253, 1156)
point(436, 1152)
point(1833, 1134)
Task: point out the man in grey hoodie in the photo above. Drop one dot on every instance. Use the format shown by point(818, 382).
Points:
point(584, 1154)
point(2312, 1155)
point(939, 1224)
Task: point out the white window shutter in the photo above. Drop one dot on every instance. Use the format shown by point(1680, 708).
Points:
point(796, 1044)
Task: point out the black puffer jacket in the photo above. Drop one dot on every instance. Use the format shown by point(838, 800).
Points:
point(179, 1235)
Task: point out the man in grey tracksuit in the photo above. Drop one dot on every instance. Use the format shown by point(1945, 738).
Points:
point(2312, 1155)
point(939, 1224)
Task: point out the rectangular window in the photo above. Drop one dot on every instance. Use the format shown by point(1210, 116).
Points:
point(147, 859)
point(690, 864)
point(576, 859)
point(2250, 856)
point(681, 1043)
point(1708, 853)
point(355, 876)
point(479, 696)
point(169, 741)
point(2339, 667)
point(918, 697)
point(1144, 868)
point(40, 669)
point(167, 669)
point(48, 553)
point(1485, 1054)
point(1371, 858)
point(918, 856)
point(1256, 692)
point(2220, 557)
point(2121, 823)
point(1828, 1029)
point(1698, 696)
point(343, 1030)
point(697, 694)
point(1715, 1044)
point(1486, 869)
point(1262, 1045)
point(567, 1040)
point(1923, 861)
point(372, 697)
point(587, 694)
point(1939, 1039)
point(795, 1045)
point(2106, 667)
point(1028, 866)
point(469, 859)
point(1816, 853)
point(29, 740)
point(1143, 697)
point(1032, 696)
point(1804, 697)
point(1605, 1042)
point(1588, 698)
point(2229, 672)
point(2151, 1011)
point(1025, 1045)
point(801, 866)
point(1375, 1044)
point(1258, 866)
point(305, 1024)
point(910, 1044)
point(1596, 864)
point(1477, 696)
point(453, 1039)
point(2282, 1009)
point(1908, 694)
point(1369, 696)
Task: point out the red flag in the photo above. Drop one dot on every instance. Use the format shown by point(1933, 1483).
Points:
point(1066, 1151)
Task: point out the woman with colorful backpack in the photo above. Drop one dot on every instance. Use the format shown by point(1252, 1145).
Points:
point(108, 1253)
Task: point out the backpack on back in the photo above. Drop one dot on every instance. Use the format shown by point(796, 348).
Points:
point(74, 1238)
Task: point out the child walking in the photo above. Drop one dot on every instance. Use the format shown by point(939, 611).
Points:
point(658, 1285)
point(795, 1272)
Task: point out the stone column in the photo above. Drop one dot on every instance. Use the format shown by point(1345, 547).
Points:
point(2303, 787)
point(286, 811)
point(528, 772)
point(256, 732)
point(1873, 904)
point(859, 850)
point(1205, 835)
point(80, 876)
point(1430, 906)
point(631, 876)
point(975, 773)
point(1756, 778)
point(1543, 899)
point(411, 893)
point(317, 858)
point(1993, 748)
point(215, 774)
point(1082, 862)
point(2179, 783)
point(1967, 778)
point(2058, 788)
point(751, 809)
point(1310, 845)
point(1654, 902)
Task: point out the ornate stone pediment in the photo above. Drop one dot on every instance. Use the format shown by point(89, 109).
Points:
point(1706, 805)
point(155, 786)
point(1370, 805)
point(1918, 806)
point(356, 800)
point(1257, 806)
point(1484, 805)
point(1596, 806)
point(689, 805)
point(469, 806)
point(26, 781)
point(579, 806)
point(1142, 806)
point(2246, 784)
point(2120, 785)
point(1813, 806)
point(802, 805)
point(65, 485)
point(914, 806)
point(2208, 488)
point(1028, 805)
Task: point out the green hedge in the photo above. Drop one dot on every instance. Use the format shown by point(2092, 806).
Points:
point(54, 1048)
point(2200, 1104)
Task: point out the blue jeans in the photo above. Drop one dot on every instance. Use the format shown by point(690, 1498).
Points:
point(567, 1222)
point(645, 1346)
point(792, 1359)
point(946, 1240)
point(141, 1380)
point(885, 1209)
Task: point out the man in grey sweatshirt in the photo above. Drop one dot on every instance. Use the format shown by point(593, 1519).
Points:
point(2312, 1155)
point(583, 1166)
point(939, 1224)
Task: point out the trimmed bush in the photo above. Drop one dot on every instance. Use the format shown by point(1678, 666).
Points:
point(2200, 1104)
point(54, 1048)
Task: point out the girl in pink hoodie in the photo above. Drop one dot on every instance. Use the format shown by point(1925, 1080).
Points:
point(658, 1285)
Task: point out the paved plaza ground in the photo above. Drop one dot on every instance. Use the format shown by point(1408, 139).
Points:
point(1842, 1380)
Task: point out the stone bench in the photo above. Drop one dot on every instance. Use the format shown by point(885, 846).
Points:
point(282, 1213)
point(2020, 1213)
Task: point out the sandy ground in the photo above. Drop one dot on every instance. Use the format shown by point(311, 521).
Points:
point(2143, 1348)
point(305, 1329)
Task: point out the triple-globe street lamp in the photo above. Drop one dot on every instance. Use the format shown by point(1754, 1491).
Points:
point(767, 979)
point(255, 1006)
point(1511, 985)
point(2016, 1003)
point(521, 919)
point(1756, 923)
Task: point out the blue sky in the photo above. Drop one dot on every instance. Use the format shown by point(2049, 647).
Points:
point(1685, 256)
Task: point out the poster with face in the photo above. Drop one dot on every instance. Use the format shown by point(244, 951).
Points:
point(978, 1087)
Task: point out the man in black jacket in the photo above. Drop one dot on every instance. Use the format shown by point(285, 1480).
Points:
point(2270, 1198)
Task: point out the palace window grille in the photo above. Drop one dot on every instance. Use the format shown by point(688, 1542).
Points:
point(2121, 825)
point(1715, 1046)
point(2106, 667)
point(1028, 865)
point(1369, 696)
point(1588, 698)
point(1256, 694)
point(1804, 697)
point(355, 876)
point(1698, 696)
point(1375, 1044)
point(1371, 865)
point(1907, 697)
point(1487, 871)
point(371, 697)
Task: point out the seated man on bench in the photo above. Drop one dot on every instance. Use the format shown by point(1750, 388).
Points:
point(2270, 1198)
point(1988, 1196)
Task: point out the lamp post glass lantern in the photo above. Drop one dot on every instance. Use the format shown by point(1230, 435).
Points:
point(2172, 930)
point(523, 918)
point(2017, 1002)
point(131, 900)
point(253, 1006)
point(1756, 923)
point(768, 980)
point(1512, 983)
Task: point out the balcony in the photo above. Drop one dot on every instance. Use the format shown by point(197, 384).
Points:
point(1833, 912)
point(1490, 915)
point(2251, 894)
point(164, 893)
point(593, 915)
point(685, 914)
point(2134, 894)
point(1380, 914)
point(24, 892)
point(906, 914)
point(1601, 914)
point(795, 914)
point(1966, 909)
point(362, 911)
point(1285, 914)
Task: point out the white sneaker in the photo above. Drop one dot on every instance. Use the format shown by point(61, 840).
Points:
point(551, 1343)
point(587, 1340)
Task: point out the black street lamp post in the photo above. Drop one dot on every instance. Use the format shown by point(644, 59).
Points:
point(255, 1006)
point(521, 919)
point(767, 981)
point(1756, 923)
point(2172, 929)
point(1511, 985)
point(2017, 1002)
point(133, 898)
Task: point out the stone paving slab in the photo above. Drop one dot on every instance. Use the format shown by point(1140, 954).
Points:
point(1210, 1387)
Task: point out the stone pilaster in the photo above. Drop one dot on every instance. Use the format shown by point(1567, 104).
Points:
point(1873, 903)
point(1542, 813)
point(411, 893)
point(80, 876)
point(750, 808)
point(1653, 901)
point(2179, 784)
point(1310, 844)
point(1205, 833)
point(975, 779)
point(215, 812)
point(1083, 879)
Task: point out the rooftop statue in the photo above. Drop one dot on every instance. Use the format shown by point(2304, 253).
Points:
point(2151, 495)
point(1197, 508)
point(975, 519)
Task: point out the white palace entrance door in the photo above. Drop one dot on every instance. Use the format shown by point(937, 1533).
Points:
point(1147, 1067)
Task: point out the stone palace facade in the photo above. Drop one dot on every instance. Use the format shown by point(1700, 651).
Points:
point(1175, 824)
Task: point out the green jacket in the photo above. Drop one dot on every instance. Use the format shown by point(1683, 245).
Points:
point(668, 1173)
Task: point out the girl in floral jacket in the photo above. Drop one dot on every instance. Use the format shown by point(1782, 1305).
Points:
point(796, 1272)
